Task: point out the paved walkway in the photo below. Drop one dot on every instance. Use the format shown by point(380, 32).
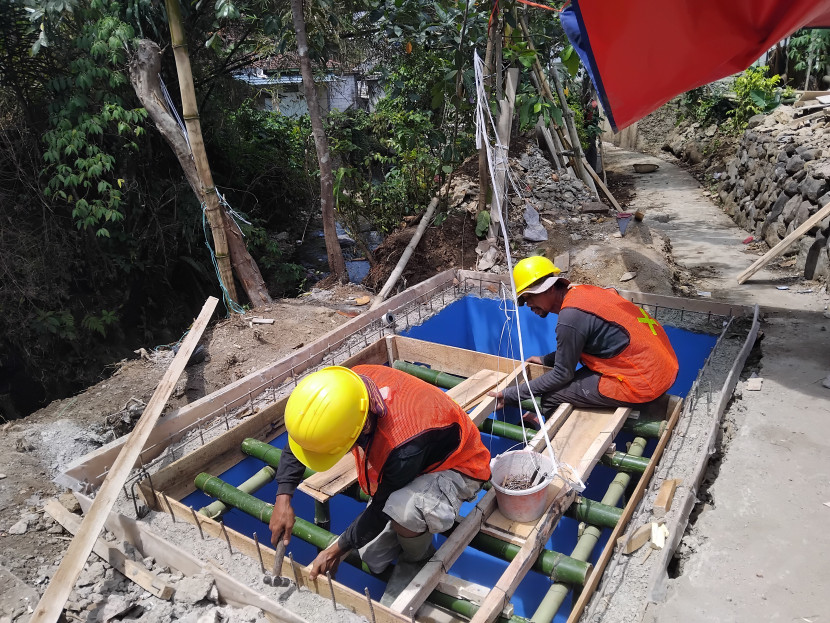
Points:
point(761, 545)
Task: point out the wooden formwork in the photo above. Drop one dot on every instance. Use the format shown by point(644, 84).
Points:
point(578, 436)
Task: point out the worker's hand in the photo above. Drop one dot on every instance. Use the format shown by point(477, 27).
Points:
point(282, 520)
point(327, 561)
point(535, 359)
point(499, 396)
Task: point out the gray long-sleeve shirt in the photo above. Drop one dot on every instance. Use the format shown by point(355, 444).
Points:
point(577, 332)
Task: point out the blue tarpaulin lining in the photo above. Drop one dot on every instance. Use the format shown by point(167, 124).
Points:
point(474, 324)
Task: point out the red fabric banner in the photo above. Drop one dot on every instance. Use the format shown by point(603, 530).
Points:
point(644, 52)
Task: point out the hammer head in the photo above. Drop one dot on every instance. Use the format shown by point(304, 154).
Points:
point(276, 581)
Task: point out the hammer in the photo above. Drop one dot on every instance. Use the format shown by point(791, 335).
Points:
point(274, 579)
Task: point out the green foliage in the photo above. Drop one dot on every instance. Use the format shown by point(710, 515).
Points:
point(389, 161)
point(756, 93)
point(530, 104)
point(810, 49)
point(570, 59)
point(90, 121)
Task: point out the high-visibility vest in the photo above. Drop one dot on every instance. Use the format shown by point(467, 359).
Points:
point(647, 367)
point(415, 407)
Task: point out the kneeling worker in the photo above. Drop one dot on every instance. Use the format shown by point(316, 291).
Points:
point(417, 453)
point(626, 355)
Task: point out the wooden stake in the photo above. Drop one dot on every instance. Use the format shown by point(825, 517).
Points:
point(111, 554)
point(50, 606)
point(785, 243)
point(665, 496)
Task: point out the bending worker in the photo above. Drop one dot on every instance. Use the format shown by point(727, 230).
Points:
point(626, 355)
point(417, 454)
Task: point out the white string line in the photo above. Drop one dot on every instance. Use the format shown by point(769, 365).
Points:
point(482, 117)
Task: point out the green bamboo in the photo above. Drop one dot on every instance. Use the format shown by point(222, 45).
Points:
point(318, 537)
point(558, 566)
point(322, 514)
point(625, 462)
point(549, 562)
point(594, 513)
point(587, 541)
point(466, 608)
point(645, 428)
point(435, 377)
point(252, 485)
point(503, 429)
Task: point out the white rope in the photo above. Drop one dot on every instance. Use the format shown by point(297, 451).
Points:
point(483, 117)
point(172, 108)
point(235, 216)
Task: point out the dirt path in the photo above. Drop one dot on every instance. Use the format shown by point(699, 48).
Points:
point(759, 547)
point(705, 240)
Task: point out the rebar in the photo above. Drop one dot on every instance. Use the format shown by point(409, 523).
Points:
point(227, 538)
point(196, 521)
point(259, 554)
point(331, 588)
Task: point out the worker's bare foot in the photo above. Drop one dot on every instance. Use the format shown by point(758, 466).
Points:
point(531, 420)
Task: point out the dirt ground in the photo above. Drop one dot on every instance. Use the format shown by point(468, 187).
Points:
point(773, 466)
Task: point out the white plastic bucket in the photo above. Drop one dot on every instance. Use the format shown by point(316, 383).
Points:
point(521, 504)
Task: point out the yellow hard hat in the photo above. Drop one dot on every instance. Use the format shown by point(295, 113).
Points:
point(532, 269)
point(324, 416)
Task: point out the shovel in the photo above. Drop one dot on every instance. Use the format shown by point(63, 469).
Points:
point(273, 578)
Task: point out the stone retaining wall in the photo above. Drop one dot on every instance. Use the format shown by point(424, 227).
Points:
point(779, 177)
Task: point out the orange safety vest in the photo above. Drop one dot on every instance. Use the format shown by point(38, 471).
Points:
point(414, 407)
point(647, 367)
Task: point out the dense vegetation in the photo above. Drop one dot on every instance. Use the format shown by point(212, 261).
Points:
point(102, 243)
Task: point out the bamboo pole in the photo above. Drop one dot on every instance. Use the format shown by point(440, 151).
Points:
point(407, 253)
point(190, 113)
point(579, 166)
point(304, 530)
point(549, 562)
point(557, 593)
point(643, 428)
point(50, 606)
point(252, 485)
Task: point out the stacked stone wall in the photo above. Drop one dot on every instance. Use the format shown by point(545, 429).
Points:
point(780, 177)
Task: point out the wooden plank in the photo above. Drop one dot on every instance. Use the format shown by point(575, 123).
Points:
point(580, 442)
point(324, 485)
point(346, 597)
point(223, 452)
point(463, 589)
point(469, 392)
point(51, 603)
point(111, 554)
point(230, 590)
point(501, 593)
point(628, 511)
point(665, 496)
point(785, 243)
point(432, 573)
point(630, 543)
point(602, 186)
point(488, 404)
point(91, 468)
point(458, 361)
point(517, 532)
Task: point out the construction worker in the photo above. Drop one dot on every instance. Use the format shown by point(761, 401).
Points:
point(417, 454)
point(626, 355)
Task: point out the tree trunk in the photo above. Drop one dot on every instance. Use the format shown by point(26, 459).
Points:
point(144, 76)
point(337, 264)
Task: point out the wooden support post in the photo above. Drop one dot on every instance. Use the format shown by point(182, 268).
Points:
point(51, 603)
point(785, 243)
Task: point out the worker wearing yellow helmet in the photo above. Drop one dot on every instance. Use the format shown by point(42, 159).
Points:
point(625, 354)
point(416, 452)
